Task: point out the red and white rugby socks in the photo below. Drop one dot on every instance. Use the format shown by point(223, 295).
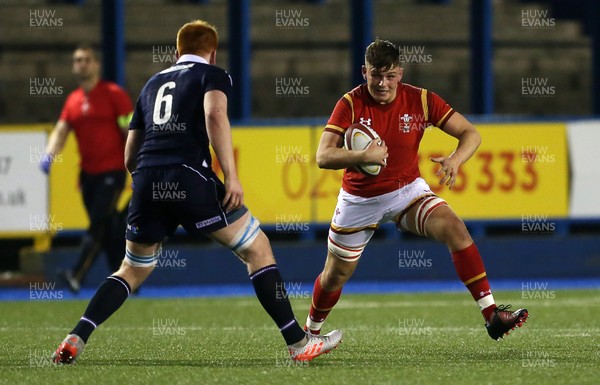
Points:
point(322, 303)
point(470, 269)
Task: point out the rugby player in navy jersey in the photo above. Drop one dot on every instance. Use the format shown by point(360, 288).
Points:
point(179, 112)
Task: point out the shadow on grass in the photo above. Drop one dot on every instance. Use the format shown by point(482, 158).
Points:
point(204, 363)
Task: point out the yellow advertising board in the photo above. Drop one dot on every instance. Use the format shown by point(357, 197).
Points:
point(66, 203)
point(519, 170)
point(276, 168)
point(282, 183)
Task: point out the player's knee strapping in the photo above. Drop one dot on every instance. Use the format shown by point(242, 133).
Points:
point(246, 235)
point(142, 260)
point(343, 252)
point(425, 207)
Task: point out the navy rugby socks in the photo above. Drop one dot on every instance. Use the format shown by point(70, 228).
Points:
point(108, 298)
point(272, 295)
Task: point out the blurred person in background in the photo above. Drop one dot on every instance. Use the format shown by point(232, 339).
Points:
point(98, 112)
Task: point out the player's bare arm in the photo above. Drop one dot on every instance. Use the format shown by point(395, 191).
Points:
point(468, 142)
point(56, 142)
point(132, 146)
point(332, 155)
point(219, 134)
point(57, 139)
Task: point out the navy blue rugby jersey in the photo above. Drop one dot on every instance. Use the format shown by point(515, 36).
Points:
point(170, 110)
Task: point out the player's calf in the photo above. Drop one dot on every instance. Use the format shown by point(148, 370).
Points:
point(341, 262)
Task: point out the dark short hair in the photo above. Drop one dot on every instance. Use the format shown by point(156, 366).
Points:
point(88, 47)
point(382, 54)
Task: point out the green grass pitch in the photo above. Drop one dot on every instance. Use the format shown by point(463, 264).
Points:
point(389, 339)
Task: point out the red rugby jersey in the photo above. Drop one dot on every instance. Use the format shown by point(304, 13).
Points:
point(93, 117)
point(400, 124)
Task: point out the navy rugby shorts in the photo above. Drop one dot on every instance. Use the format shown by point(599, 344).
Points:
point(168, 196)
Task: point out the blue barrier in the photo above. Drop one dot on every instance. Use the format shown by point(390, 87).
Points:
point(477, 228)
point(523, 257)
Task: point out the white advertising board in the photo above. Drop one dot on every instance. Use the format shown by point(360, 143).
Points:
point(23, 186)
point(584, 146)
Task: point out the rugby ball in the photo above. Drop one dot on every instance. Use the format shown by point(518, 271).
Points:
point(358, 137)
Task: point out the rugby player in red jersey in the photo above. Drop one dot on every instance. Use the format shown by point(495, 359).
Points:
point(399, 113)
point(98, 112)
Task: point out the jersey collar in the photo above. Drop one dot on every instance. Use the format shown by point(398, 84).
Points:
point(191, 58)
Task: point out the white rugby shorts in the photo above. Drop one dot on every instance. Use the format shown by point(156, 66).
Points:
point(356, 218)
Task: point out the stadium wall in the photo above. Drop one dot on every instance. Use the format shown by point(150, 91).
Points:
point(383, 261)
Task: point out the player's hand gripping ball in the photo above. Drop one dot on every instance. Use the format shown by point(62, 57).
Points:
point(358, 137)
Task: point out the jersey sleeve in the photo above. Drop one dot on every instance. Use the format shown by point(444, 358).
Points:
point(218, 80)
point(137, 120)
point(342, 116)
point(439, 110)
